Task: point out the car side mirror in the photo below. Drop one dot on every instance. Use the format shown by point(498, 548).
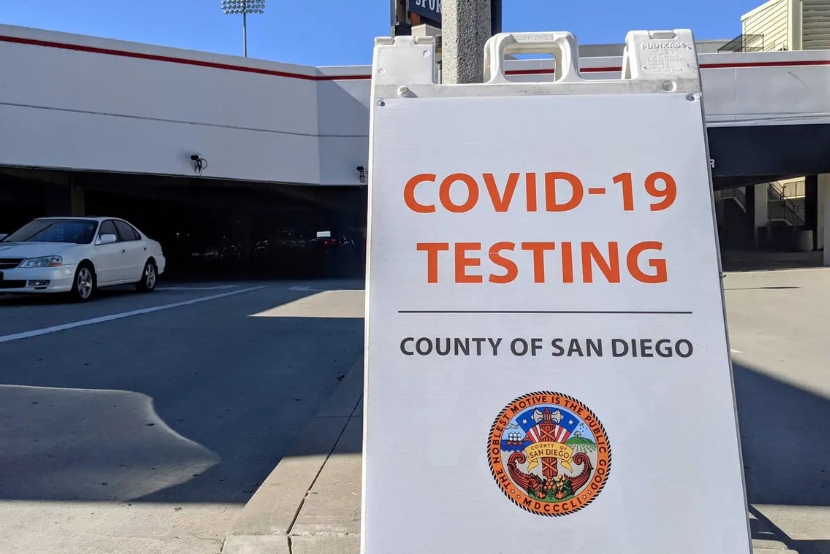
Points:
point(107, 239)
point(3, 236)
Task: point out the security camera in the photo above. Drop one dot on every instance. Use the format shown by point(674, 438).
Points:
point(361, 169)
point(199, 163)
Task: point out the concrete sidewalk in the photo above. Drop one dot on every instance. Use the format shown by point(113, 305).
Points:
point(310, 503)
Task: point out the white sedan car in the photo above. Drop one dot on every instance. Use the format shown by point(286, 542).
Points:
point(78, 255)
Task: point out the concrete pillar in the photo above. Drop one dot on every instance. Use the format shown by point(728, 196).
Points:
point(794, 25)
point(823, 217)
point(63, 196)
point(719, 216)
point(761, 212)
point(77, 203)
point(465, 27)
point(811, 207)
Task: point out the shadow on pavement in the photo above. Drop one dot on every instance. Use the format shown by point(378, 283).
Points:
point(199, 405)
point(785, 446)
point(70, 445)
point(190, 405)
point(784, 432)
point(755, 260)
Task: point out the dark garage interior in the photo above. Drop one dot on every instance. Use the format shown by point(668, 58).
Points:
point(208, 228)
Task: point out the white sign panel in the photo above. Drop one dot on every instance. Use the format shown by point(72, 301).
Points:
point(547, 363)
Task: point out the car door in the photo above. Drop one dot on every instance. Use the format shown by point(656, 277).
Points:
point(135, 254)
point(109, 258)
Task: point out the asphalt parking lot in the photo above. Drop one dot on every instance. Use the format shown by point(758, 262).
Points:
point(778, 334)
point(143, 423)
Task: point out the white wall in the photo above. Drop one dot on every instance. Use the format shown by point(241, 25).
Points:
point(760, 92)
point(95, 111)
point(763, 88)
point(343, 126)
point(112, 110)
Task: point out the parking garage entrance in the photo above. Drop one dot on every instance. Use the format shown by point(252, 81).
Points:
point(208, 228)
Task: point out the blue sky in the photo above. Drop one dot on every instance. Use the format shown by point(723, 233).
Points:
point(336, 32)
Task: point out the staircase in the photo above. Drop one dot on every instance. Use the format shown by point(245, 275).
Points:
point(781, 207)
point(737, 194)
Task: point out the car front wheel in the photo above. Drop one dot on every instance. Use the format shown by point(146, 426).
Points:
point(148, 278)
point(83, 287)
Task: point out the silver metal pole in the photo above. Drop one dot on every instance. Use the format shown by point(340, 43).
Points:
point(465, 27)
point(245, 34)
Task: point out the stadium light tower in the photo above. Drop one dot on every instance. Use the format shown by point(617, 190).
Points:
point(233, 7)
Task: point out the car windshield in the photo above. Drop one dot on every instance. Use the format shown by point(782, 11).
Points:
point(73, 231)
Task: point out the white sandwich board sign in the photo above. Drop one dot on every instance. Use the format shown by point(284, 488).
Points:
point(547, 360)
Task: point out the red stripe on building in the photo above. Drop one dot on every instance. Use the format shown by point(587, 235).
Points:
point(290, 75)
point(181, 61)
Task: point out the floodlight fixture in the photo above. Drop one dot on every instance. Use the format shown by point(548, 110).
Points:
point(244, 7)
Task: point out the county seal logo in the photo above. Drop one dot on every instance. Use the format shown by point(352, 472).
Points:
point(549, 453)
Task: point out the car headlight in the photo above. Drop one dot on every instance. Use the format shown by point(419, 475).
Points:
point(45, 261)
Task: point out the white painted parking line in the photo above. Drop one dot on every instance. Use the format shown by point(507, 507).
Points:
point(307, 289)
point(122, 315)
point(217, 287)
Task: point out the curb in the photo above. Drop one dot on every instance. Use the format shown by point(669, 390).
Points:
point(266, 520)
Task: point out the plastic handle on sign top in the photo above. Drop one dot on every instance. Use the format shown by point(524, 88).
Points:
point(644, 57)
point(561, 44)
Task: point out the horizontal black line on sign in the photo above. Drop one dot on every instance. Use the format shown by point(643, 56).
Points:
point(620, 312)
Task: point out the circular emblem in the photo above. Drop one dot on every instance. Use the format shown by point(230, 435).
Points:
point(549, 453)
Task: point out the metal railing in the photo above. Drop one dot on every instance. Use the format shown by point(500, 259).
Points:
point(744, 43)
point(780, 207)
point(775, 192)
point(778, 191)
point(784, 211)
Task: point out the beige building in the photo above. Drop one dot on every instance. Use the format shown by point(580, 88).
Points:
point(788, 25)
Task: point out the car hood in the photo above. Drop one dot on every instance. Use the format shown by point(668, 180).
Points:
point(32, 249)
